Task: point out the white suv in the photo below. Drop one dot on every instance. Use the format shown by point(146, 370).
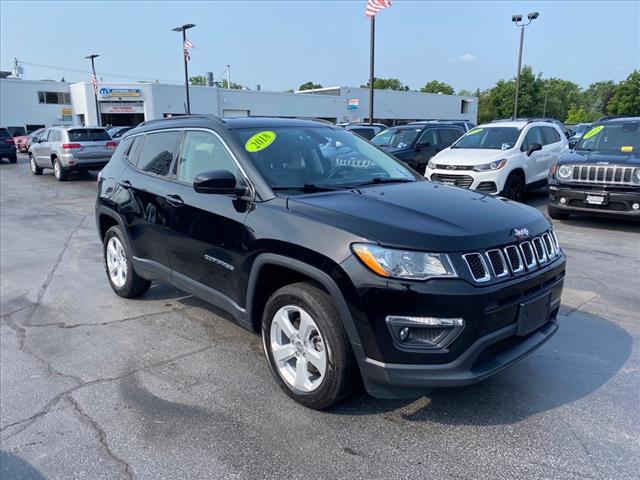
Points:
point(505, 157)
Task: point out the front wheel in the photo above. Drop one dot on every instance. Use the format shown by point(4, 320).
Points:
point(35, 169)
point(513, 187)
point(306, 347)
point(117, 261)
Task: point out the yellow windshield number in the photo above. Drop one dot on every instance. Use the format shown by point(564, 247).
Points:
point(593, 132)
point(260, 141)
point(474, 131)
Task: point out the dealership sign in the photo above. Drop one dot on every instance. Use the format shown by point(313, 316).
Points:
point(110, 107)
point(353, 103)
point(119, 92)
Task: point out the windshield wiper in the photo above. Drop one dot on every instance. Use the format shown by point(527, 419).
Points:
point(307, 187)
point(379, 180)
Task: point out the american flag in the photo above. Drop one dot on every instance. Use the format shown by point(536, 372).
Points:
point(187, 46)
point(374, 6)
point(94, 82)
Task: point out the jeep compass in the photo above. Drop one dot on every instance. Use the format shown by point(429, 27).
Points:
point(350, 264)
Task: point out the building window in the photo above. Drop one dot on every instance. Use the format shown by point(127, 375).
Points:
point(57, 98)
point(464, 107)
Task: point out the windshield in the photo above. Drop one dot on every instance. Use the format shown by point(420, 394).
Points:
point(304, 158)
point(88, 135)
point(581, 128)
point(490, 138)
point(397, 137)
point(622, 137)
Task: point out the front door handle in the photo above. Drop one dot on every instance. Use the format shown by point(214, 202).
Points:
point(125, 184)
point(174, 200)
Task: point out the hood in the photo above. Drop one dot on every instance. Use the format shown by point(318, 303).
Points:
point(422, 216)
point(469, 156)
point(596, 158)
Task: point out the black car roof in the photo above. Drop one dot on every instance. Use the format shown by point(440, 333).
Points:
point(619, 119)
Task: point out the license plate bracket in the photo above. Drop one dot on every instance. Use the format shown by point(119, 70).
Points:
point(596, 198)
point(533, 314)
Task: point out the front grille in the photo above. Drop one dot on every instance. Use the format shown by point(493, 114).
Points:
point(477, 267)
point(513, 260)
point(612, 206)
point(611, 174)
point(453, 167)
point(457, 180)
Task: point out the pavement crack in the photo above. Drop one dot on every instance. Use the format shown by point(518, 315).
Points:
point(582, 304)
point(102, 436)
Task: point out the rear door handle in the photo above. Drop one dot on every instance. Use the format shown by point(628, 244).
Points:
point(125, 184)
point(175, 200)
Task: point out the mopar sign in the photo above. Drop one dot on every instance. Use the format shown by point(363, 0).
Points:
point(119, 92)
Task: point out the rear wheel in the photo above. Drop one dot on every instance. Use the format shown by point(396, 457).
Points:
point(35, 169)
point(306, 347)
point(117, 261)
point(13, 158)
point(555, 214)
point(60, 173)
point(513, 187)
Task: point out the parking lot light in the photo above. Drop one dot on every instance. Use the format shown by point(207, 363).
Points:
point(183, 29)
point(517, 20)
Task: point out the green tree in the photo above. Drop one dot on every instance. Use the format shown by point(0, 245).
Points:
point(387, 84)
point(577, 114)
point(198, 80)
point(309, 86)
point(234, 86)
point(596, 97)
point(557, 97)
point(465, 93)
point(435, 86)
point(626, 99)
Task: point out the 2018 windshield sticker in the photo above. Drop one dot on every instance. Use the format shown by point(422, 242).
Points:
point(260, 141)
point(593, 131)
point(626, 148)
point(474, 131)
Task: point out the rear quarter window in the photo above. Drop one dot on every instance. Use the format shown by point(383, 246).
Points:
point(4, 133)
point(88, 135)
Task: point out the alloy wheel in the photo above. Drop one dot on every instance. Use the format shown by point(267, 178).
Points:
point(298, 349)
point(56, 169)
point(116, 262)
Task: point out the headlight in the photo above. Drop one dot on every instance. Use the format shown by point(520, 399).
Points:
point(564, 172)
point(388, 262)
point(431, 165)
point(497, 165)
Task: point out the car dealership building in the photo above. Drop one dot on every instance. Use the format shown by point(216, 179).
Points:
point(32, 103)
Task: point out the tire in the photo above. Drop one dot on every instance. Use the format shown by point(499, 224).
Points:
point(555, 214)
point(35, 169)
point(125, 281)
point(60, 173)
point(513, 187)
point(292, 306)
point(13, 158)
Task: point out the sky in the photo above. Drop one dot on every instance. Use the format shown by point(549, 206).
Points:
point(282, 44)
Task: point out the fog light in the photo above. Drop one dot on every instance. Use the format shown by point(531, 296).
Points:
point(636, 206)
point(563, 200)
point(404, 333)
point(426, 321)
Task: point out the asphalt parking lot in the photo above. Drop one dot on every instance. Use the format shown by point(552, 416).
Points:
point(95, 386)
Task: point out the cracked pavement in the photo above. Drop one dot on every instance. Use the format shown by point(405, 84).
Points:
point(94, 386)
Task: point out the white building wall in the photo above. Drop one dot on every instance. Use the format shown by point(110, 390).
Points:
point(19, 105)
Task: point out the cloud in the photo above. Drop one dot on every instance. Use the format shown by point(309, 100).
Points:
point(467, 57)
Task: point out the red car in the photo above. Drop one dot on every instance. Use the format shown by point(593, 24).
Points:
point(23, 141)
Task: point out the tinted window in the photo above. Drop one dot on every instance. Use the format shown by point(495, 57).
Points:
point(397, 137)
point(448, 136)
point(202, 152)
point(157, 152)
point(367, 133)
point(428, 137)
point(88, 135)
point(4, 133)
point(123, 149)
point(550, 135)
point(534, 135)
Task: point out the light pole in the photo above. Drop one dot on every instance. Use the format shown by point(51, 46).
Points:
point(183, 29)
point(517, 19)
point(94, 82)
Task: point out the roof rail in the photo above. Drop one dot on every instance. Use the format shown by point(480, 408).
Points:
point(527, 120)
point(610, 117)
point(181, 117)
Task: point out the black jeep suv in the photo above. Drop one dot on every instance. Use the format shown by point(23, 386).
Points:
point(351, 265)
point(601, 175)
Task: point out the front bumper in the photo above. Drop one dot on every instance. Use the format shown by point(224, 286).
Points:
point(617, 201)
point(489, 181)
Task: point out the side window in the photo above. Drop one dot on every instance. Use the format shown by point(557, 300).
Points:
point(428, 137)
point(534, 135)
point(550, 135)
point(131, 155)
point(54, 136)
point(202, 152)
point(157, 152)
point(448, 136)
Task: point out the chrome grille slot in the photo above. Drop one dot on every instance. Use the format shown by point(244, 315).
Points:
point(539, 248)
point(477, 266)
point(612, 174)
point(556, 245)
point(497, 262)
point(464, 181)
point(548, 246)
point(528, 255)
point(514, 258)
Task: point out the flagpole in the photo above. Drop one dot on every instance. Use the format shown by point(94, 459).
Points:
point(371, 77)
point(95, 87)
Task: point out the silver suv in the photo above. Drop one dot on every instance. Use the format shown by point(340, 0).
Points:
point(66, 149)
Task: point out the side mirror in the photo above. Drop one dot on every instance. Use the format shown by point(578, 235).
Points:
point(572, 144)
point(534, 147)
point(219, 182)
